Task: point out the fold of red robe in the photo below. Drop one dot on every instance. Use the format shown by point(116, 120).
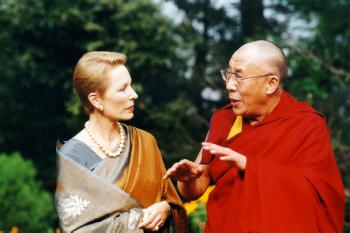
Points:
point(291, 183)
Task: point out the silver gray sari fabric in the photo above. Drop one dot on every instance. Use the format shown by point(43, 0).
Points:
point(99, 195)
point(87, 203)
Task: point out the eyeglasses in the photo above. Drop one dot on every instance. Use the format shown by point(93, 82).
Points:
point(227, 75)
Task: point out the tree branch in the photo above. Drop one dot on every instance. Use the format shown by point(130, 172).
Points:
point(309, 54)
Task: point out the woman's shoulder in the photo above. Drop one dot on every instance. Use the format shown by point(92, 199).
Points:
point(140, 131)
point(80, 152)
point(72, 149)
point(71, 145)
point(143, 133)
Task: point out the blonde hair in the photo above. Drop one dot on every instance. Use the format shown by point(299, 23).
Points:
point(90, 74)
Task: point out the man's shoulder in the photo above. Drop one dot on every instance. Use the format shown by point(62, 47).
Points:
point(305, 111)
point(311, 117)
point(302, 112)
point(306, 120)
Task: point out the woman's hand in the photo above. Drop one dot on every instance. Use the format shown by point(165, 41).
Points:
point(155, 215)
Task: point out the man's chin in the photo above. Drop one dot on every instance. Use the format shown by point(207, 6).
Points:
point(237, 111)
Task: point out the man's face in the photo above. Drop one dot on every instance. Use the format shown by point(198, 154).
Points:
point(248, 97)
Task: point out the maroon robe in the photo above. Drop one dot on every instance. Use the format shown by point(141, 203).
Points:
point(291, 183)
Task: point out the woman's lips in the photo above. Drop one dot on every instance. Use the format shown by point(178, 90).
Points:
point(131, 108)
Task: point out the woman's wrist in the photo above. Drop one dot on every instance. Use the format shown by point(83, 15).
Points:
point(168, 206)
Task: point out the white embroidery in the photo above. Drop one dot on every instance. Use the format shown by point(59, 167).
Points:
point(73, 205)
point(134, 218)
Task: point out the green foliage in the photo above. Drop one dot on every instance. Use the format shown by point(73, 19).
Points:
point(186, 124)
point(24, 203)
point(198, 219)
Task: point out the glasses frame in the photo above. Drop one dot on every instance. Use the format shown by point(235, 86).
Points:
point(227, 76)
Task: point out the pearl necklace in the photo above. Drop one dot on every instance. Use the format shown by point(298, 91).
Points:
point(107, 152)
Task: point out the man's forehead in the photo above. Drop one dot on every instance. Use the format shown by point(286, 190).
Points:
point(237, 62)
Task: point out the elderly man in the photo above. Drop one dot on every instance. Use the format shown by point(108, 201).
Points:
point(269, 156)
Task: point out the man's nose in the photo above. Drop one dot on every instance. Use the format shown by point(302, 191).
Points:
point(231, 85)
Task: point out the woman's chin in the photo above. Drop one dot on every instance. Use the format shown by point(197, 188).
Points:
point(127, 117)
point(122, 117)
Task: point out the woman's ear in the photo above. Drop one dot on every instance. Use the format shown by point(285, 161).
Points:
point(272, 84)
point(95, 100)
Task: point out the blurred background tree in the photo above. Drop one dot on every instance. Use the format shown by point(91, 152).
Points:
point(24, 203)
point(174, 60)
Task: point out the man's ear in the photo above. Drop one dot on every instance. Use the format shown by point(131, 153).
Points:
point(94, 99)
point(272, 84)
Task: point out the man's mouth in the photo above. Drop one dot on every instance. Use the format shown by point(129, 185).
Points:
point(235, 103)
point(234, 100)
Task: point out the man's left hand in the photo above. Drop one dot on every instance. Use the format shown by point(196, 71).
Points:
point(232, 157)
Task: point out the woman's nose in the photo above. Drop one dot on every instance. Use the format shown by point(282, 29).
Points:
point(133, 94)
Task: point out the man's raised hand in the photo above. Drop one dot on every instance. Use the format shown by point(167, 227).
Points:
point(184, 171)
point(232, 157)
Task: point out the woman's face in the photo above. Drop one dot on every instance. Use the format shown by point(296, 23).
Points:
point(118, 99)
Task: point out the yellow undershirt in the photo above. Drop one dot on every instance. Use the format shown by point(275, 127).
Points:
point(236, 127)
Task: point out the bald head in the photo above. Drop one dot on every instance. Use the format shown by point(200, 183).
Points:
point(265, 54)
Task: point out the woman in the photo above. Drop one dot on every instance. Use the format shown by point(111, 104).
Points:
point(110, 174)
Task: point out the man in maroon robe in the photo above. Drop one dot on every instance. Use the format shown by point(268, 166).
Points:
point(269, 156)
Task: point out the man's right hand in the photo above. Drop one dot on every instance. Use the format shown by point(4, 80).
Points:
point(184, 171)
